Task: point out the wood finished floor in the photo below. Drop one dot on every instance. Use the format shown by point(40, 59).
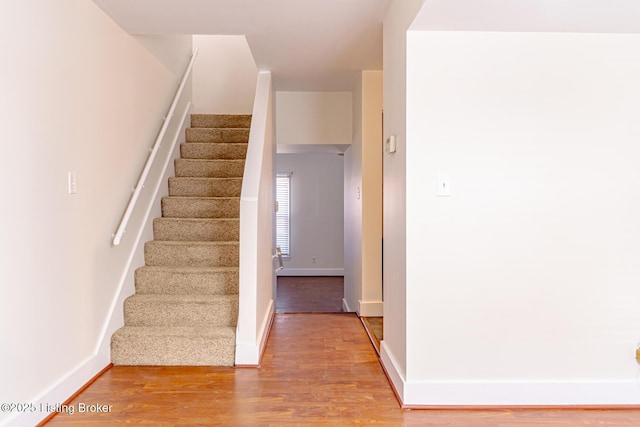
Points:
point(309, 294)
point(318, 370)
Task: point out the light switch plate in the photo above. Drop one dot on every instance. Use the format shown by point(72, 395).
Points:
point(443, 188)
point(73, 186)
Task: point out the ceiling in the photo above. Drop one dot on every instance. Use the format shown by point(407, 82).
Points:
point(308, 45)
point(576, 16)
point(319, 45)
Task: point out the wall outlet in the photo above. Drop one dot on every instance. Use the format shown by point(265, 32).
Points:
point(313, 260)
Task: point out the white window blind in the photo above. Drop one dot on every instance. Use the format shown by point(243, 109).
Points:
point(283, 198)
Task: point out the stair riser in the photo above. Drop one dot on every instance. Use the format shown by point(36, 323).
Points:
point(190, 230)
point(172, 350)
point(220, 121)
point(209, 168)
point(200, 208)
point(149, 281)
point(205, 187)
point(215, 255)
point(219, 313)
point(217, 135)
point(206, 150)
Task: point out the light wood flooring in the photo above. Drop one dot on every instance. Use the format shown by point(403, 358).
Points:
point(318, 370)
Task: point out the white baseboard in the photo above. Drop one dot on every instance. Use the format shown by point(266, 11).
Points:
point(311, 272)
point(60, 392)
point(503, 393)
point(370, 308)
point(393, 370)
point(543, 393)
point(71, 382)
point(251, 354)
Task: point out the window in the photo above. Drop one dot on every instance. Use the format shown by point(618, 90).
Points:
point(283, 199)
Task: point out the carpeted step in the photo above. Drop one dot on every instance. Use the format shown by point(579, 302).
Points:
point(191, 254)
point(201, 207)
point(205, 187)
point(187, 280)
point(181, 310)
point(199, 229)
point(209, 168)
point(220, 121)
point(185, 307)
point(208, 150)
point(217, 135)
point(173, 346)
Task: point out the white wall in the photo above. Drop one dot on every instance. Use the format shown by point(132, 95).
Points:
point(257, 274)
point(363, 199)
point(371, 300)
point(78, 94)
point(313, 118)
point(393, 348)
point(224, 76)
point(522, 287)
point(353, 207)
point(317, 213)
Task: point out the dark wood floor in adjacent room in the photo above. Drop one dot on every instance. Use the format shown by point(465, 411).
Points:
point(318, 370)
point(310, 294)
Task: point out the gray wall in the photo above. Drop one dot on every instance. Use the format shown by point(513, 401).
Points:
point(317, 213)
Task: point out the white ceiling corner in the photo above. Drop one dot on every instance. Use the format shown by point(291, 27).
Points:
point(313, 45)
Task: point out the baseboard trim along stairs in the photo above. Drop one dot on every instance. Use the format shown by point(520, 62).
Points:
point(185, 307)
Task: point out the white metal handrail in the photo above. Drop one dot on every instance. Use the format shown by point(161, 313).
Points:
point(122, 227)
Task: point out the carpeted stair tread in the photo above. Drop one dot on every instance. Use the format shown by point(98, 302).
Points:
point(185, 307)
point(201, 207)
point(217, 135)
point(173, 346)
point(209, 168)
point(181, 310)
point(217, 150)
point(195, 254)
point(205, 187)
point(196, 229)
point(186, 280)
point(220, 121)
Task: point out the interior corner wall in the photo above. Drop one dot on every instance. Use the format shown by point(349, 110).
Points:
point(353, 207)
point(80, 95)
point(372, 148)
point(256, 274)
point(224, 75)
point(363, 199)
point(393, 348)
point(265, 303)
point(317, 213)
point(530, 268)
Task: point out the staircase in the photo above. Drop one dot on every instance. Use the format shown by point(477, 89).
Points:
point(185, 308)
